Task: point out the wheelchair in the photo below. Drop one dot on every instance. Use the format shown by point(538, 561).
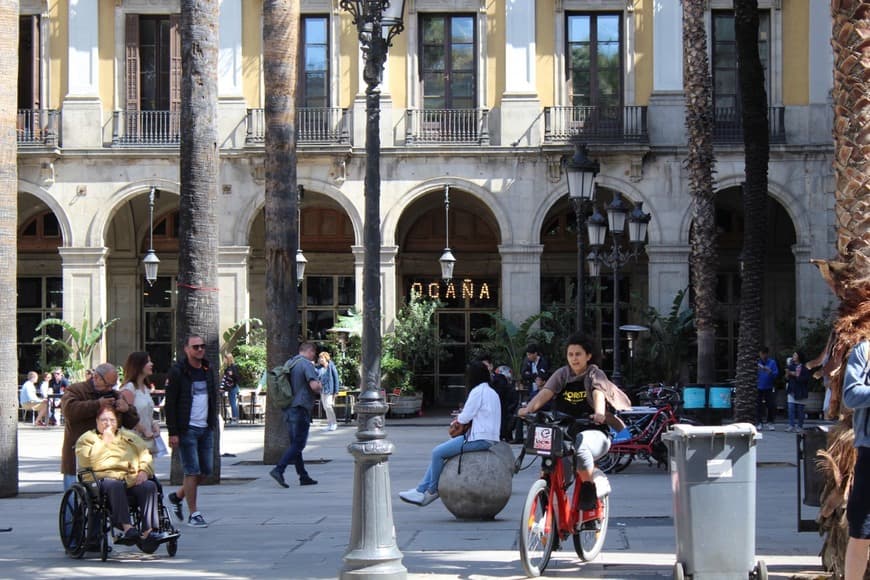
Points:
point(86, 525)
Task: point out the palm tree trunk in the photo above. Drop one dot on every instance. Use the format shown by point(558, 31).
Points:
point(700, 161)
point(280, 44)
point(849, 273)
point(8, 247)
point(756, 152)
point(198, 309)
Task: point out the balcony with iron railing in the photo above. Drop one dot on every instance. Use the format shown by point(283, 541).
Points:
point(38, 127)
point(314, 125)
point(146, 128)
point(728, 125)
point(447, 126)
point(596, 124)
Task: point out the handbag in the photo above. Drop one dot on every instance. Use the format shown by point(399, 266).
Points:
point(160, 444)
point(456, 428)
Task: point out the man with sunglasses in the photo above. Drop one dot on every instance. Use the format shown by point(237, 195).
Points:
point(57, 384)
point(80, 404)
point(191, 418)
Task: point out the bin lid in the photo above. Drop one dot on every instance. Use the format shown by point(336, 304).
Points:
point(681, 431)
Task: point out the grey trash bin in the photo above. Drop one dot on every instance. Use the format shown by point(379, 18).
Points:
point(713, 481)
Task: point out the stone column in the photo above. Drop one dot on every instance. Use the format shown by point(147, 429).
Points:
point(231, 102)
point(84, 289)
point(520, 280)
point(233, 284)
point(82, 119)
point(666, 116)
point(520, 105)
point(389, 286)
point(668, 267)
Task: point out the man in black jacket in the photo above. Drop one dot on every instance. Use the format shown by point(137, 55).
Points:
point(191, 418)
point(507, 396)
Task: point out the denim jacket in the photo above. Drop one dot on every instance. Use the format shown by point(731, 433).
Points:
point(856, 393)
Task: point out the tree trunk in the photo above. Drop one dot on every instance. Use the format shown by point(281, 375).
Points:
point(756, 151)
point(8, 248)
point(280, 45)
point(849, 273)
point(198, 308)
point(700, 160)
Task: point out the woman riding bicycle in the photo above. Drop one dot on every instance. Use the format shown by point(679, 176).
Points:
point(583, 391)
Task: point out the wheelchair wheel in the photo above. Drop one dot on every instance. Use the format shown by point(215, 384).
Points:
point(75, 506)
point(172, 547)
point(106, 530)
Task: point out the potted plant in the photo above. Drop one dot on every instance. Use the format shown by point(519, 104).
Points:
point(814, 338)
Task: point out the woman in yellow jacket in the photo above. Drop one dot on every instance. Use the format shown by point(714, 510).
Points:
point(121, 461)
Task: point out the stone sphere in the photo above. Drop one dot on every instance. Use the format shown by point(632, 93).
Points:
point(483, 487)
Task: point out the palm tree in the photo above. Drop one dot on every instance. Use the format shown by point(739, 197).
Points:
point(700, 160)
point(8, 246)
point(198, 234)
point(280, 44)
point(849, 272)
point(756, 151)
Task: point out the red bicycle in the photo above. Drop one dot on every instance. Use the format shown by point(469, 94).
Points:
point(551, 513)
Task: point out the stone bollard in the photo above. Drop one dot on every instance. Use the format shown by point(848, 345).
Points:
point(483, 487)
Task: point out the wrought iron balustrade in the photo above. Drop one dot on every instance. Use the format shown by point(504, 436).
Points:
point(456, 126)
point(325, 125)
point(728, 124)
point(38, 126)
point(596, 124)
point(146, 128)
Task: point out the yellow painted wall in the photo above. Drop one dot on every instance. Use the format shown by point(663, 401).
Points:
point(58, 15)
point(495, 42)
point(348, 62)
point(397, 64)
point(643, 46)
point(545, 42)
point(795, 52)
point(106, 56)
point(252, 51)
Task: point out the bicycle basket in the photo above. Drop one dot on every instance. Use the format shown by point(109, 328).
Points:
point(544, 440)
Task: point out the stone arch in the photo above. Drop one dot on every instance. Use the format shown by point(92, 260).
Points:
point(394, 215)
point(96, 233)
point(243, 225)
point(67, 235)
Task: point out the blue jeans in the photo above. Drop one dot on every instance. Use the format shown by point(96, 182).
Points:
point(233, 396)
point(197, 451)
point(298, 421)
point(441, 453)
point(796, 415)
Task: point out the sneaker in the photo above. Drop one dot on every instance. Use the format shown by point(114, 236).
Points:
point(428, 497)
point(333, 427)
point(789, 429)
point(588, 496)
point(279, 477)
point(771, 427)
point(759, 427)
point(306, 480)
point(412, 496)
point(177, 508)
point(197, 521)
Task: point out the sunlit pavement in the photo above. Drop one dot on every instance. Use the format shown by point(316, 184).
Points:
point(259, 530)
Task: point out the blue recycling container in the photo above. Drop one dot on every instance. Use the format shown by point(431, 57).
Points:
point(694, 397)
point(719, 397)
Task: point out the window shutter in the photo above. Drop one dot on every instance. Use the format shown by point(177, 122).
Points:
point(132, 68)
point(34, 63)
point(175, 63)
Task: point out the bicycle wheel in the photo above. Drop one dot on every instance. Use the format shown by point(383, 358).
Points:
point(537, 532)
point(73, 520)
point(624, 461)
point(590, 539)
point(607, 462)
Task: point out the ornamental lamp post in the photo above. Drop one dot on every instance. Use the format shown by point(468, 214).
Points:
point(373, 551)
point(580, 174)
point(617, 215)
point(151, 261)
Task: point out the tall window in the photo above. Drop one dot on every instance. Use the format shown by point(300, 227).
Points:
point(595, 60)
point(726, 85)
point(38, 298)
point(314, 81)
point(28, 62)
point(153, 53)
point(448, 64)
point(158, 316)
point(323, 299)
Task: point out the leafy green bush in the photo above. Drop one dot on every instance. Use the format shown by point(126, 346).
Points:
point(250, 356)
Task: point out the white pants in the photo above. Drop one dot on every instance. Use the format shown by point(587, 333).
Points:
point(327, 401)
point(588, 446)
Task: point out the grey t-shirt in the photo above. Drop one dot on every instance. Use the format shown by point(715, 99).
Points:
point(300, 376)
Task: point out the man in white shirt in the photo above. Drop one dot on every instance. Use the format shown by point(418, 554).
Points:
point(30, 401)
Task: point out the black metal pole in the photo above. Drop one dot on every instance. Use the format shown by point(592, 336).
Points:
point(580, 291)
point(373, 551)
point(617, 257)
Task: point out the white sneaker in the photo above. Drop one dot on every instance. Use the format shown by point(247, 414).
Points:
point(759, 427)
point(429, 498)
point(771, 427)
point(333, 427)
point(412, 496)
point(789, 429)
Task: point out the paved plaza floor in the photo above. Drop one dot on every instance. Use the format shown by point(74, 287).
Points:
point(260, 530)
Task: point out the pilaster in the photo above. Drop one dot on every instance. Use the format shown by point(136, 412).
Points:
point(232, 108)
point(233, 284)
point(520, 280)
point(84, 289)
point(520, 105)
point(81, 122)
point(668, 267)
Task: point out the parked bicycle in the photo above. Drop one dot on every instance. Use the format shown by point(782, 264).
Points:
point(550, 512)
point(642, 437)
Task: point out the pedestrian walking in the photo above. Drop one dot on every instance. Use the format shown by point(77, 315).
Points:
point(329, 380)
point(797, 390)
point(856, 395)
point(767, 373)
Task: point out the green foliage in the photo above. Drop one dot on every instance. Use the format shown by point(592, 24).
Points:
point(250, 357)
point(347, 359)
point(78, 345)
point(237, 333)
point(661, 355)
point(506, 342)
point(814, 337)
